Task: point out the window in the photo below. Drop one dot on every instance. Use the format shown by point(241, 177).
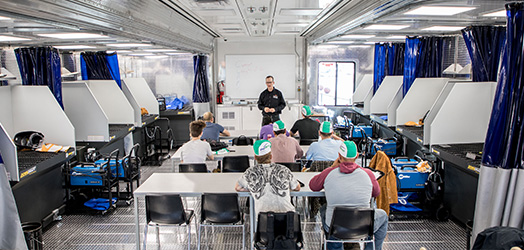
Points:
point(336, 83)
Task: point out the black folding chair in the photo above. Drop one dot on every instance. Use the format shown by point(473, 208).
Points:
point(235, 163)
point(192, 168)
point(351, 224)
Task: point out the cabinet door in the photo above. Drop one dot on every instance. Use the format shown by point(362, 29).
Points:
point(251, 118)
point(229, 117)
point(289, 115)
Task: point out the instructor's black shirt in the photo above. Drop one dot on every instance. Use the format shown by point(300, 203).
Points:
point(273, 99)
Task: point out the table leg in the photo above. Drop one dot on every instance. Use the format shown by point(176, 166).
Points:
point(137, 223)
point(252, 221)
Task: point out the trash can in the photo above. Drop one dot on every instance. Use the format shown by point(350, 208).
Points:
point(33, 235)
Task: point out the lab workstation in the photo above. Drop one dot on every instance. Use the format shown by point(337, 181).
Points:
point(264, 125)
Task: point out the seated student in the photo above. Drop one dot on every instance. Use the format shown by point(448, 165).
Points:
point(306, 128)
point(327, 148)
point(195, 150)
point(359, 185)
point(269, 184)
point(266, 132)
point(212, 131)
point(285, 149)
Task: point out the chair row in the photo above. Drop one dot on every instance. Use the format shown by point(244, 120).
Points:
point(349, 224)
point(232, 164)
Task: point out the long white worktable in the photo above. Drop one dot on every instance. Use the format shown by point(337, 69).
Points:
point(234, 151)
point(195, 184)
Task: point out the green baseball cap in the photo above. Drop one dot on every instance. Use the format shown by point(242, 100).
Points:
point(348, 149)
point(278, 125)
point(262, 147)
point(325, 127)
point(306, 110)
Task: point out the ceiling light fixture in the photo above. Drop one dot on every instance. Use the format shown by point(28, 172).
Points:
point(443, 28)
point(2, 18)
point(72, 47)
point(386, 27)
point(354, 36)
point(251, 9)
point(128, 45)
point(12, 38)
point(500, 13)
point(263, 9)
point(73, 35)
point(438, 10)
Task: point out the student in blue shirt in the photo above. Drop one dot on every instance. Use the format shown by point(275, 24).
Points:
point(213, 131)
point(327, 148)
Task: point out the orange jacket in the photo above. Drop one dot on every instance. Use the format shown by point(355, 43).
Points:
point(388, 183)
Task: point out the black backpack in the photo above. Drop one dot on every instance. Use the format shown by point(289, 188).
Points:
point(242, 141)
point(278, 231)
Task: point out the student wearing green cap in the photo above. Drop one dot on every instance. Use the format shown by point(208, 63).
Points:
point(347, 184)
point(269, 183)
point(306, 128)
point(285, 149)
point(327, 148)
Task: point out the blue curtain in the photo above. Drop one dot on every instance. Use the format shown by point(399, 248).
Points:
point(485, 44)
point(379, 68)
point(395, 59)
point(201, 84)
point(423, 58)
point(41, 66)
point(100, 66)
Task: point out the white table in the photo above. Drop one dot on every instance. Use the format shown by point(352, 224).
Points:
point(194, 184)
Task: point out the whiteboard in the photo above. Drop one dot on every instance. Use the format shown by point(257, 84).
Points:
point(246, 74)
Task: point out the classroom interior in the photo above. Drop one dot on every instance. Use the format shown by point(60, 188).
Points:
point(119, 82)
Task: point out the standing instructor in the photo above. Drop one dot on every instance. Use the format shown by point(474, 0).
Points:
point(271, 101)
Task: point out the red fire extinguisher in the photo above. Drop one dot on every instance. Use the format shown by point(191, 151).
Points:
point(221, 87)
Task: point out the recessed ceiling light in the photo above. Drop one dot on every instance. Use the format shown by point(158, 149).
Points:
point(12, 38)
point(74, 47)
point(500, 13)
point(443, 28)
point(386, 27)
point(299, 12)
point(395, 37)
point(4, 18)
point(357, 36)
point(438, 10)
point(159, 50)
point(73, 35)
point(157, 57)
point(128, 45)
point(142, 54)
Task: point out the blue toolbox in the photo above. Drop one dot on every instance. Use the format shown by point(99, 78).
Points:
point(88, 175)
point(407, 174)
point(113, 168)
point(389, 146)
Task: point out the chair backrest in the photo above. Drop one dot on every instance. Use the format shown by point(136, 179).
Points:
point(242, 141)
point(319, 166)
point(235, 163)
point(280, 224)
point(192, 168)
point(306, 142)
point(165, 209)
point(220, 208)
point(352, 222)
point(293, 166)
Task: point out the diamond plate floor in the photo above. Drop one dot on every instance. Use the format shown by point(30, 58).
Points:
point(116, 230)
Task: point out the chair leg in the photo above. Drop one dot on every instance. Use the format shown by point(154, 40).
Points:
point(145, 236)
point(243, 237)
point(199, 236)
point(158, 236)
point(188, 236)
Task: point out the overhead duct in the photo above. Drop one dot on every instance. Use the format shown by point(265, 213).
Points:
point(158, 22)
point(344, 15)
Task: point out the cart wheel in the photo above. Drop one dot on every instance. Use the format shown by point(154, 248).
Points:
point(128, 202)
point(391, 217)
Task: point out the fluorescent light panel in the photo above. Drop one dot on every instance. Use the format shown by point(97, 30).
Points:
point(443, 28)
point(73, 35)
point(438, 10)
point(386, 27)
point(128, 45)
point(500, 13)
point(299, 12)
point(12, 38)
point(2, 18)
point(357, 36)
point(74, 47)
